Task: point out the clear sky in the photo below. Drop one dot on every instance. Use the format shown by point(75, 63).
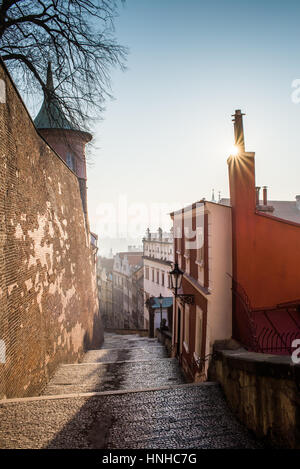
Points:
point(166, 137)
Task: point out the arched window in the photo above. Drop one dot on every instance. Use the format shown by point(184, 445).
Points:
point(71, 161)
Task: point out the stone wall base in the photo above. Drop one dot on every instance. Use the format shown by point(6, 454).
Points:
point(263, 391)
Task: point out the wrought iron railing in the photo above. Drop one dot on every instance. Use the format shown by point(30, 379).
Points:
point(272, 341)
point(265, 330)
point(243, 320)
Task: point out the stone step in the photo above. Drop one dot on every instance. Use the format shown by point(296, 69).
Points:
point(181, 417)
point(91, 377)
point(129, 342)
point(115, 354)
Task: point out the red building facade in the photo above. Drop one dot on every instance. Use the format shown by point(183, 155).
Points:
point(266, 259)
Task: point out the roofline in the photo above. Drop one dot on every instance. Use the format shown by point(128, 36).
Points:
point(62, 129)
point(277, 219)
point(187, 208)
point(218, 204)
point(190, 207)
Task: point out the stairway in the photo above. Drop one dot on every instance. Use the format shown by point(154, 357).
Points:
point(124, 362)
point(128, 394)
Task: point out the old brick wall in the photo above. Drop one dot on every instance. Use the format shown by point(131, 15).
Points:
point(48, 290)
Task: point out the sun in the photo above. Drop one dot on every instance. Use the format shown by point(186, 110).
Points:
point(234, 150)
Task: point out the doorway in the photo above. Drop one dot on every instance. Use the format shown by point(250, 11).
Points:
point(178, 331)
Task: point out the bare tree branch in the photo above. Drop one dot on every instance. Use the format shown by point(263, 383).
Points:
point(77, 36)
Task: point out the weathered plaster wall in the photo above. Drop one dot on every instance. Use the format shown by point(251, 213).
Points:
point(48, 291)
point(263, 391)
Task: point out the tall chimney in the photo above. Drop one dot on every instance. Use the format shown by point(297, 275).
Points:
point(239, 130)
point(241, 171)
point(257, 189)
point(265, 197)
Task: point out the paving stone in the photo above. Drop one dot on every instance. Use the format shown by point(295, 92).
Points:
point(134, 353)
point(182, 416)
point(149, 419)
point(89, 377)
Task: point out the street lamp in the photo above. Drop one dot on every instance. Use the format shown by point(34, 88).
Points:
point(160, 300)
point(176, 279)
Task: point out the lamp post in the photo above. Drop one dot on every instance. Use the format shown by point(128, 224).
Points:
point(176, 278)
point(160, 300)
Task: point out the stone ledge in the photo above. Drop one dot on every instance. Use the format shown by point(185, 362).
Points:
point(260, 364)
point(263, 392)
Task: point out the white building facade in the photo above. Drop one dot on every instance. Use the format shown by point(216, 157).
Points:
point(203, 251)
point(158, 252)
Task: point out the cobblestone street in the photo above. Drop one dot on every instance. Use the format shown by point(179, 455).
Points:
point(126, 395)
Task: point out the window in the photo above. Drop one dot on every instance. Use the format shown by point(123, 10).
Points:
point(70, 161)
point(157, 277)
point(186, 327)
point(169, 281)
point(187, 265)
point(200, 242)
point(200, 237)
point(147, 273)
point(163, 279)
point(152, 275)
point(198, 332)
point(200, 254)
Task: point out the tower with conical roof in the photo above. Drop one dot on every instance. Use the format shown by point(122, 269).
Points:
point(64, 137)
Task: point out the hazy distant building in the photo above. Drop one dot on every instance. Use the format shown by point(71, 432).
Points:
point(138, 298)
point(104, 282)
point(133, 248)
point(126, 289)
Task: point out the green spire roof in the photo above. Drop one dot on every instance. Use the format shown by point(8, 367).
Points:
point(51, 115)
